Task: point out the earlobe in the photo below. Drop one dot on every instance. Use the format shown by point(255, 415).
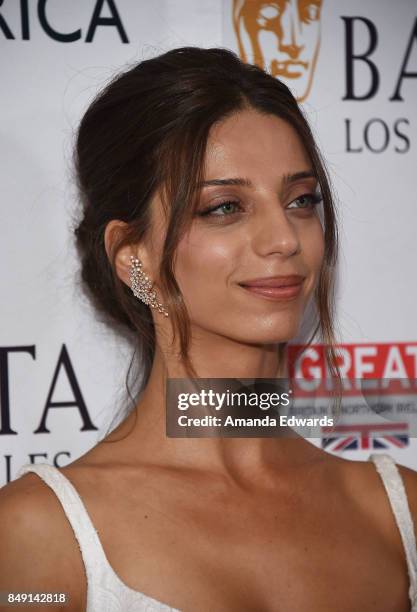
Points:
point(123, 264)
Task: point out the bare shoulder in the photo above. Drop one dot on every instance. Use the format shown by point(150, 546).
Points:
point(38, 551)
point(363, 483)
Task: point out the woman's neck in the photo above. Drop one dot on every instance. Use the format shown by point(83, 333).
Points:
point(239, 459)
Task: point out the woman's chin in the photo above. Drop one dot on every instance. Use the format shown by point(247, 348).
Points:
point(265, 336)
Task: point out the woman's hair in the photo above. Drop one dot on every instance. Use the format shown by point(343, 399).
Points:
point(147, 130)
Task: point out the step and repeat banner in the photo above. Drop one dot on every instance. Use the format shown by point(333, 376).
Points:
point(353, 67)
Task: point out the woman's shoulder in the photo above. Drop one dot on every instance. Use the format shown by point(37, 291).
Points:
point(34, 533)
point(409, 479)
point(27, 507)
point(364, 484)
point(363, 474)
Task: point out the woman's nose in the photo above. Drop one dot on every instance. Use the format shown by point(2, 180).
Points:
point(274, 233)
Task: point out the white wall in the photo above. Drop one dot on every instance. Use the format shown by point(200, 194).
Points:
point(45, 86)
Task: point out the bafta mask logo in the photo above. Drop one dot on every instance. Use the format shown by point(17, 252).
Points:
point(282, 37)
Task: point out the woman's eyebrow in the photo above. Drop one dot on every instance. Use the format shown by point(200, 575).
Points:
point(242, 182)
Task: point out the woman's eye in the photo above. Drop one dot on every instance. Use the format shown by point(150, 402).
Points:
point(225, 208)
point(307, 200)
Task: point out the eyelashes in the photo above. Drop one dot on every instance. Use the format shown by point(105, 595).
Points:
point(209, 211)
point(313, 199)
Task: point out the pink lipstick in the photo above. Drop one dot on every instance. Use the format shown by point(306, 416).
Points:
point(275, 287)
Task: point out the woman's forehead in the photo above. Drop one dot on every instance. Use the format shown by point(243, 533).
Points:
point(251, 142)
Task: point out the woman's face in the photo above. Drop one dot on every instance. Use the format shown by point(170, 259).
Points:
point(259, 226)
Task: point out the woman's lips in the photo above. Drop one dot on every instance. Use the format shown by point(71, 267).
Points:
point(276, 293)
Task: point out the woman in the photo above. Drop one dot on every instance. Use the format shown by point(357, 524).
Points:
point(202, 183)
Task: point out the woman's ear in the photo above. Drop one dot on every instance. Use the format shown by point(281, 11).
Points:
point(112, 235)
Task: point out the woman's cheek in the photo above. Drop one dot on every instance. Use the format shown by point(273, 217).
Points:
point(314, 245)
point(200, 261)
point(312, 254)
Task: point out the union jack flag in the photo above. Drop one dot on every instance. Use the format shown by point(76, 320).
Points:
point(362, 436)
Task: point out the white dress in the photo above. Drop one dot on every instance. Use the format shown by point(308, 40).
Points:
point(107, 593)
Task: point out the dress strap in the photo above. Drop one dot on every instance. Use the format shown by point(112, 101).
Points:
point(394, 485)
point(77, 515)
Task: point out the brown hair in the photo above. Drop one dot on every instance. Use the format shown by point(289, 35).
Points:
point(146, 131)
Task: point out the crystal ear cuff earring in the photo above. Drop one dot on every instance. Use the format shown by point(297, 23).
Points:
point(141, 286)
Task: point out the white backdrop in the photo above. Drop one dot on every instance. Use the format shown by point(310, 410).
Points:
point(55, 55)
